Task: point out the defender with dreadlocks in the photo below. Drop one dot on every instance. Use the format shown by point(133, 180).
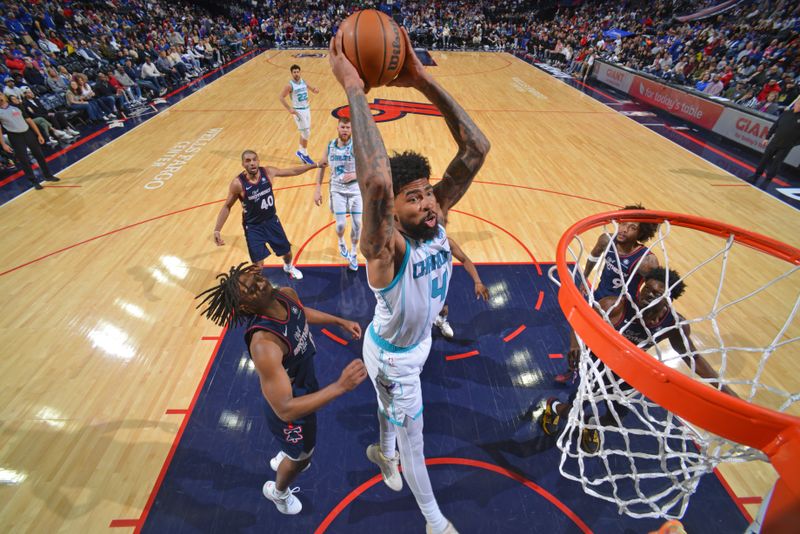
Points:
point(282, 351)
point(409, 263)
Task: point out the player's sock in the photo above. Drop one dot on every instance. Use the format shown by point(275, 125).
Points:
point(303, 150)
point(412, 458)
point(388, 436)
point(341, 243)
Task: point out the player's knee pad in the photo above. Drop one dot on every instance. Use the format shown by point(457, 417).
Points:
point(305, 133)
point(355, 230)
point(341, 221)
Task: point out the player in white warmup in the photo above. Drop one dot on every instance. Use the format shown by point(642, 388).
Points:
point(345, 195)
point(409, 265)
point(298, 89)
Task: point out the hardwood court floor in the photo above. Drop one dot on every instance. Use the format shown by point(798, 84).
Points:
point(102, 347)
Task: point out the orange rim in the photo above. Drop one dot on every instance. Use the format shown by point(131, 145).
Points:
point(776, 434)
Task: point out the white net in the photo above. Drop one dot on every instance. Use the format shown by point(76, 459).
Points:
point(737, 316)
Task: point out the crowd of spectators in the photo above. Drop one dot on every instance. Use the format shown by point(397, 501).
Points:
point(749, 54)
point(67, 63)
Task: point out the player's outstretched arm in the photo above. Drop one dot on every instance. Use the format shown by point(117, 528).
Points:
point(234, 193)
point(372, 167)
point(472, 144)
point(320, 177)
point(596, 254)
point(274, 172)
point(314, 316)
point(267, 352)
point(696, 362)
point(460, 255)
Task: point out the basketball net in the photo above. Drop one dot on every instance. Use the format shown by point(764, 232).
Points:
point(655, 443)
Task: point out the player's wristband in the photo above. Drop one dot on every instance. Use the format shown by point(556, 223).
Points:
point(594, 259)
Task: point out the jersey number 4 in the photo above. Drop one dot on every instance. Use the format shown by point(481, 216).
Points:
point(439, 291)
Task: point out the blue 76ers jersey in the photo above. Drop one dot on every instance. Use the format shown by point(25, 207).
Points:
point(258, 201)
point(299, 360)
point(616, 274)
point(635, 331)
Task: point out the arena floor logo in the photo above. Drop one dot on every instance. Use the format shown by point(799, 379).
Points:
point(318, 55)
point(390, 110)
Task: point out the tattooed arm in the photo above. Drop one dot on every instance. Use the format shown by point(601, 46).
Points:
point(472, 144)
point(381, 243)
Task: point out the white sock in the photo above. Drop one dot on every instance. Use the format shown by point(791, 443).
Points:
point(412, 457)
point(287, 267)
point(354, 249)
point(341, 241)
point(302, 150)
point(388, 436)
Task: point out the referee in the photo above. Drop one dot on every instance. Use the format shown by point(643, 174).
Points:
point(785, 135)
point(23, 134)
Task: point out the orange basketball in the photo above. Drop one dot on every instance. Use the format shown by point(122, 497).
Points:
point(373, 43)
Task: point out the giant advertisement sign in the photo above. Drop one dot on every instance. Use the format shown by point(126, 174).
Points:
point(621, 79)
point(739, 126)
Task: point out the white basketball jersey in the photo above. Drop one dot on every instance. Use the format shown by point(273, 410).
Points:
point(407, 307)
point(342, 161)
point(299, 94)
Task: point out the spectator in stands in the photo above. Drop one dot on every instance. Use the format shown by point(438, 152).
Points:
point(167, 69)
point(703, 82)
point(34, 108)
point(107, 93)
point(105, 103)
point(76, 100)
point(772, 86)
point(33, 77)
point(132, 91)
point(134, 73)
point(714, 88)
point(790, 92)
point(150, 73)
point(56, 83)
point(11, 89)
point(770, 106)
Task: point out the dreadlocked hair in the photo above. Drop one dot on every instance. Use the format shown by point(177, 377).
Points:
point(223, 299)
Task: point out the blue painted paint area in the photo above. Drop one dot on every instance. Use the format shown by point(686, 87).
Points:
point(663, 123)
point(477, 408)
point(74, 153)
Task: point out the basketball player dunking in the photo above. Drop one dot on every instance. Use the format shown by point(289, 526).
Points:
point(298, 89)
point(409, 265)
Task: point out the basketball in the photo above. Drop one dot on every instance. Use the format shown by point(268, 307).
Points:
point(374, 45)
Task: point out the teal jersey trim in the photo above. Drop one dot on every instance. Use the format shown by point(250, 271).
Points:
point(400, 271)
point(385, 345)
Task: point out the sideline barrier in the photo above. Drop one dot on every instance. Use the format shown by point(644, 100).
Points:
point(745, 128)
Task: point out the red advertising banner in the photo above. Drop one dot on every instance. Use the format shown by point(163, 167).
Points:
point(747, 129)
point(694, 109)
